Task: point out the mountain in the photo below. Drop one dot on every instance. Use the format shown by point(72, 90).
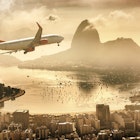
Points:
point(88, 51)
point(7, 60)
point(85, 37)
point(120, 52)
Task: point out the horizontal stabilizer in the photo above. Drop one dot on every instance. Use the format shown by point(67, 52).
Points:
point(2, 41)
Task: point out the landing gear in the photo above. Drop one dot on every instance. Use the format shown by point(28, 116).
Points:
point(58, 44)
point(25, 52)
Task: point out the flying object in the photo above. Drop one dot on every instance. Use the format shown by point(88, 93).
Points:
point(52, 18)
point(29, 44)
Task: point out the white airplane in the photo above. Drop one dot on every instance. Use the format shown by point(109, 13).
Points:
point(29, 44)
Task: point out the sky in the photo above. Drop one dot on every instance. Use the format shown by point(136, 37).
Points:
point(112, 19)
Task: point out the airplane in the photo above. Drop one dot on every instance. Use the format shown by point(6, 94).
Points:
point(29, 44)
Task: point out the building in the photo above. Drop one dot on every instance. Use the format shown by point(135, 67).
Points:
point(85, 129)
point(42, 132)
point(130, 126)
point(14, 126)
point(115, 126)
point(123, 121)
point(117, 135)
point(4, 135)
point(87, 121)
point(65, 128)
point(65, 118)
point(118, 118)
point(22, 117)
point(27, 134)
point(53, 127)
point(97, 124)
point(137, 115)
point(7, 117)
point(103, 114)
point(15, 135)
point(102, 136)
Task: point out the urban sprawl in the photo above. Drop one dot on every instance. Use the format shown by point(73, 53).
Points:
point(100, 125)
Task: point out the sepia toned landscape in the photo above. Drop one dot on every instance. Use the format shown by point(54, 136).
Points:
point(88, 87)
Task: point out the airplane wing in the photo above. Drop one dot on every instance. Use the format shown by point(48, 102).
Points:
point(9, 52)
point(36, 40)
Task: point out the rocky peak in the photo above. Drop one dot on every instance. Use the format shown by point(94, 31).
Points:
point(85, 37)
point(122, 42)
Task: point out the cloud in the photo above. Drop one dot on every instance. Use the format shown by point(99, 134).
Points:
point(22, 18)
point(21, 23)
point(99, 21)
point(120, 15)
point(6, 4)
point(29, 4)
point(113, 18)
point(112, 3)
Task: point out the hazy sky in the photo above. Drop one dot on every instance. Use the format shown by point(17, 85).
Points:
point(112, 18)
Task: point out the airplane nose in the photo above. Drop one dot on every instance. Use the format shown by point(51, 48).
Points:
point(62, 38)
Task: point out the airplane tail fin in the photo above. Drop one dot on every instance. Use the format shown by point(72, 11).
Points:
point(1, 41)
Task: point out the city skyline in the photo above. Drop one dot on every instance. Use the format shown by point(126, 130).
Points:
point(122, 125)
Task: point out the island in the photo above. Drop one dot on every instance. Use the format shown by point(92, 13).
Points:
point(9, 93)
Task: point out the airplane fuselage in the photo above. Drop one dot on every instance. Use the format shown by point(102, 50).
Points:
point(23, 44)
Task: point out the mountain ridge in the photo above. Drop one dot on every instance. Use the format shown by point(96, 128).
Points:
point(87, 49)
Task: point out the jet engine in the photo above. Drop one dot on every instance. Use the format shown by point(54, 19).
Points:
point(30, 49)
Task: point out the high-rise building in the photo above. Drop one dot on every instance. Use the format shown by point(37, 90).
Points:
point(65, 128)
point(103, 114)
point(22, 117)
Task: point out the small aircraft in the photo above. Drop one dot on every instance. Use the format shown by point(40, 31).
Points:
point(29, 44)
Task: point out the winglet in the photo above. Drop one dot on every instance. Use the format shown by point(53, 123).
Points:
point(38, 25)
